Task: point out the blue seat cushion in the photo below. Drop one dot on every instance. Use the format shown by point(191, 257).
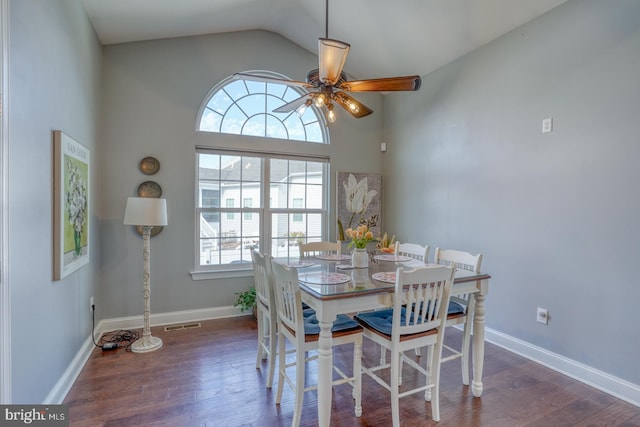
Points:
point(381, 320)
point(312, 326)
point(455, 308)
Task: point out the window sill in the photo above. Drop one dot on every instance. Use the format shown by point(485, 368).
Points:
point(221, 274)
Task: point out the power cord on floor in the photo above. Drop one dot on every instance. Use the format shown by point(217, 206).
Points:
point(115, 339)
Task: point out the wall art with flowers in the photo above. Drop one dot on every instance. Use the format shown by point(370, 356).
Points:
point(359, 202)
point(71, 205)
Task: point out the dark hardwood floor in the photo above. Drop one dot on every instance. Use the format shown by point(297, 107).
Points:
point(206, 376)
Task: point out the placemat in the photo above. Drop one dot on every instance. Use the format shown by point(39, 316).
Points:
point(324, 278)
point(385, 276)
point(392, 258)
point(333, 257)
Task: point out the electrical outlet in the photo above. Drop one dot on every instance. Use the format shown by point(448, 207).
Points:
point(91, 305)
point(542, 316)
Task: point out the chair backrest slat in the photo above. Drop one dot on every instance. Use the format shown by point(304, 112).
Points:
point(287, 295)
point(422, 295)
point(413, 250)
point(262, 278)
point(317, 248)
point(461, 259)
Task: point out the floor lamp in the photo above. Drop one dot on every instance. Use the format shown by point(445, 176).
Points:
point(146, 212)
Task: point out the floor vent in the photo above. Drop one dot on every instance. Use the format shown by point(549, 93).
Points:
point(183, 326)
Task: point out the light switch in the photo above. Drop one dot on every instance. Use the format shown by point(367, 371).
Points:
point(547, 125)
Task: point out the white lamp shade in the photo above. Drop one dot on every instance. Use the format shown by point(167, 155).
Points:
point(145, 211)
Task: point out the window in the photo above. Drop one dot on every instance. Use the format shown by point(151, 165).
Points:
point(229, 204)
point(283, 198)
point(247, 204)
point(298, 203)
point(245, 107)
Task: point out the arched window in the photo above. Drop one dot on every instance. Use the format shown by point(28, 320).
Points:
point(245, 107)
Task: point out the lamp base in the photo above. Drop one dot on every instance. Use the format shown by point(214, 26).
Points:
point(146, 344)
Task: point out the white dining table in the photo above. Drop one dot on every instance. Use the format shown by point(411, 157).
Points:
point(362, 293)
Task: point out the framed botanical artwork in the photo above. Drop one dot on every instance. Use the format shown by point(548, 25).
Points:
point(359, 199)
point(71, 187)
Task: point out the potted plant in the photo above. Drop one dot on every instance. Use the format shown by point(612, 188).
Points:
point(247, 301)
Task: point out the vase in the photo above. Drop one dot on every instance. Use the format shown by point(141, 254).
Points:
point(77, 236)
point(359, 258)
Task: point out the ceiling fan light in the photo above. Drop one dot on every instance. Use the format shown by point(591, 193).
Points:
point(319, 100)
point(333, 55)
point(303, 108)
point(331, 114)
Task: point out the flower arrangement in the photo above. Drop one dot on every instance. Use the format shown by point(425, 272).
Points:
point(76, 203)
point(359, 236)
point(386, 245)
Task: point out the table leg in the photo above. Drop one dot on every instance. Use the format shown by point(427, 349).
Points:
point(325, 373)
point(478, 345)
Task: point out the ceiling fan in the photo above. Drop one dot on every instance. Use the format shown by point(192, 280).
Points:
point(328, 83)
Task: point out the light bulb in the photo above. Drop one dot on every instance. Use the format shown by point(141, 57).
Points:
point(331, 115)
point(319, 101)
point(301, 110)
point(354, 107)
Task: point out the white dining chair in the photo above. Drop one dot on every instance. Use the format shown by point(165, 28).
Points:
point(417, 319)
point(266, 313)
point(419, 253)
point(413, 250)
point(461, 307)
point(302, 330)
point(320, 248)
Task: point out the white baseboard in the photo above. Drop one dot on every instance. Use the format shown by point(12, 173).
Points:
point(607, 383)
point(171, 318)
point(59, 392)
point(64, 384)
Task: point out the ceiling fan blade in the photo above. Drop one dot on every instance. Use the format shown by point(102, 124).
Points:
point(294, 105)
point(352, 105)
point(259, 78)
point(332, 54)
point(388, 84)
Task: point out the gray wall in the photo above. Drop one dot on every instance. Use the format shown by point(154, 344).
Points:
point(54, 82)
point(153, 91)
point(556, 215)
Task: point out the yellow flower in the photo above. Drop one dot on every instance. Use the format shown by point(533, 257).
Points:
point(359, 237)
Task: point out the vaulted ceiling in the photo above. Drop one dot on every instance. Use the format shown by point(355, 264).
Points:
point(388, 38)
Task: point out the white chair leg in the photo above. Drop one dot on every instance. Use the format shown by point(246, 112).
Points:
point(357, 373)
point(281, 366)
point(435, 380)
point(400, 363)
point(273, 340)
point(383, 355)
point(300, 370)
point(417, 351)
point(261, 353)
point(429, 367)
point(395, 398)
